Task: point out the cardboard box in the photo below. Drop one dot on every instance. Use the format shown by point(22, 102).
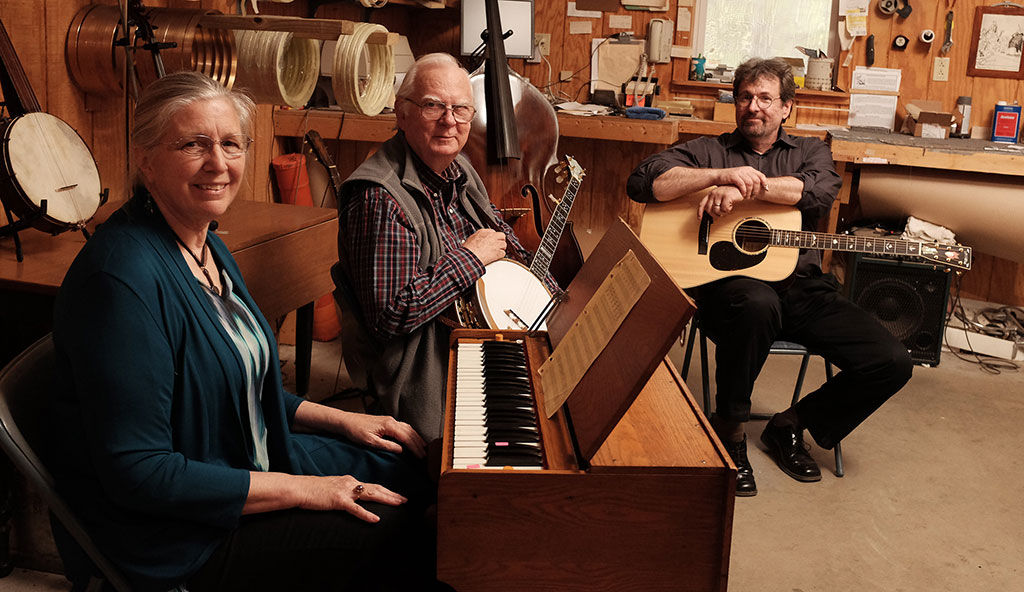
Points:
point(725, 112)
point(927, 119)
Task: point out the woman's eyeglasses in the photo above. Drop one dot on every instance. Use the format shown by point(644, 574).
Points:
point(232, 146)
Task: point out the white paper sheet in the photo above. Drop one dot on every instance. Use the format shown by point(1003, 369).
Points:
point(878, 111)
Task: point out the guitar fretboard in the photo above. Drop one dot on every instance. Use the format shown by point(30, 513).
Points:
point(952, 255)
point(841, 242)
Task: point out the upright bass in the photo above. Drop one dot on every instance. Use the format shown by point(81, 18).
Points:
point(512, 144)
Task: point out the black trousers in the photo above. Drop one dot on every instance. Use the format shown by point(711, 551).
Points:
point(744, 316)
point(328, 551)
point(323, 551)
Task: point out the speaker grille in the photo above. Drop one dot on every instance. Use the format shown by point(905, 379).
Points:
point(908, 298)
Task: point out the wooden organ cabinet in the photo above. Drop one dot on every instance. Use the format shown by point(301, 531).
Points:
point(635, 491)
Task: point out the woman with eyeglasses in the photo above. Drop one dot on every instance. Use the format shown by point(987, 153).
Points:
point(174, 439)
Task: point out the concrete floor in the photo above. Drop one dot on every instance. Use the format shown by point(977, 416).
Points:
point(930, 500)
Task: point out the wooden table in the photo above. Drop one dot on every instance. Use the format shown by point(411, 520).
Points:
point(285, 253)
point(852, 149)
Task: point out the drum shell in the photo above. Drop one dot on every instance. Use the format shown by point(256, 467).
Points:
point(13, 187)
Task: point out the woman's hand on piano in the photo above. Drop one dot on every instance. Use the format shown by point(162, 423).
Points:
point(384, 432)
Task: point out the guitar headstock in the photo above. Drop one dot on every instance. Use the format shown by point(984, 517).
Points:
point(955, 256)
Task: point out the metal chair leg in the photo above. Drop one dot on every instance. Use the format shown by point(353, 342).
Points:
point(804, 361)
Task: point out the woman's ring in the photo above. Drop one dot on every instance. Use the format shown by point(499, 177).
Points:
point(358, 490)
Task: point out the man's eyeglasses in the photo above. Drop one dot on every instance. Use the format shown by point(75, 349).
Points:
point(762, 102)
point(232, 146)
point(434, 110)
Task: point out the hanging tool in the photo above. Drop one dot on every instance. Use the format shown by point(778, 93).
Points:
point(870, 51)
point(948, 43)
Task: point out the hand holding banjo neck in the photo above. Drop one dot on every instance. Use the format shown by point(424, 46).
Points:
point(49, 177)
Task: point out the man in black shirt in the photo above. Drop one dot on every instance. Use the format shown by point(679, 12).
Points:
point(742, 315)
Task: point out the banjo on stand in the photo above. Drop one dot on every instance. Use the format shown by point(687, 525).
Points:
point(48, 177)
point(511, 295)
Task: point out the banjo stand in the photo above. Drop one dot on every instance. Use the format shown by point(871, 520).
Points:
point(13, 226)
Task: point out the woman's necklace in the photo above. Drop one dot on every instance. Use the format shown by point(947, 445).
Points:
point(201, 262)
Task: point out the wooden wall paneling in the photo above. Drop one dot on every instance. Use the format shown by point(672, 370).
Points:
point(601, 198)
point(549, 17)
point(576, 58)
point(916, 61)
point(959, 83)
point(977, 282)
point(1007, 283)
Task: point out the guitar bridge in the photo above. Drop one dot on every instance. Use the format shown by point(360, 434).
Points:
point(704, 233)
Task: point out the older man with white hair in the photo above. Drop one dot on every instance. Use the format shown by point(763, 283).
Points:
point(416, 230)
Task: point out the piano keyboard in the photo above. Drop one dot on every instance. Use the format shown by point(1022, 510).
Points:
point(495, 417)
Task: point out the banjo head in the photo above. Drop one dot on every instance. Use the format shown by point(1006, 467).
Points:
point(48, 160)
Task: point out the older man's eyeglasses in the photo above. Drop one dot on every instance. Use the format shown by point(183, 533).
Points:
point(434, 110)
point(232, 146)
point(763, 101)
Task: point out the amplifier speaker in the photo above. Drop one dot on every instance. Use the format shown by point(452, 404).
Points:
point(907, 297)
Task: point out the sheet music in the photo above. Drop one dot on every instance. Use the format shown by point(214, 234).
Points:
point(593, 329)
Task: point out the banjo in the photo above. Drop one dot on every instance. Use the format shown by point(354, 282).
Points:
point(47, 173)
point(510, 295)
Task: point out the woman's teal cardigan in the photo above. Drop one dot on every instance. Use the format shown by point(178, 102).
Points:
point(151, 443)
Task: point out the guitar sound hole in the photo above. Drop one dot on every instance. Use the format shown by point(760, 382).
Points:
point(752, 236)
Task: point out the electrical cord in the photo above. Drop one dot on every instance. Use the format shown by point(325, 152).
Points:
point(985, 363)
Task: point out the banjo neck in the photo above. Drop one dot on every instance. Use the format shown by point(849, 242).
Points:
point(549, 242)
point(18, 93)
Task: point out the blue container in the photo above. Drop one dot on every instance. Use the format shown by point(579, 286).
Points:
point(1006, 123)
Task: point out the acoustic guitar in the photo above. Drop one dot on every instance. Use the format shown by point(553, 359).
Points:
point(47, 173)
point(760, 240)
point(511, 295)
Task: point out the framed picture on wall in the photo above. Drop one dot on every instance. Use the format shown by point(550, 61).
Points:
point(996, 42)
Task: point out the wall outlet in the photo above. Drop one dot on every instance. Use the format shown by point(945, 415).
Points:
point(541, 47)
point(565, 76)
point(941, 70)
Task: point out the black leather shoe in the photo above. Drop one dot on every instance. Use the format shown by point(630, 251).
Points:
point(745, 485)
point(786, 446)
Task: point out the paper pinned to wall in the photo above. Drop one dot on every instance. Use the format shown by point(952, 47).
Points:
point(581, 27)
point(875, 111)
point(651, 5)
point(876, 79)
point(846, 6)
point(613, 64)
point(683, 19)
point(620, 21)
point(857, 23)
point(682, 51)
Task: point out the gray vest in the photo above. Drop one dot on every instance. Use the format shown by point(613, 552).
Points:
point(408, 372)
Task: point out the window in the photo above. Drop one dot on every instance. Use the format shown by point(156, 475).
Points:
point(731, 31)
